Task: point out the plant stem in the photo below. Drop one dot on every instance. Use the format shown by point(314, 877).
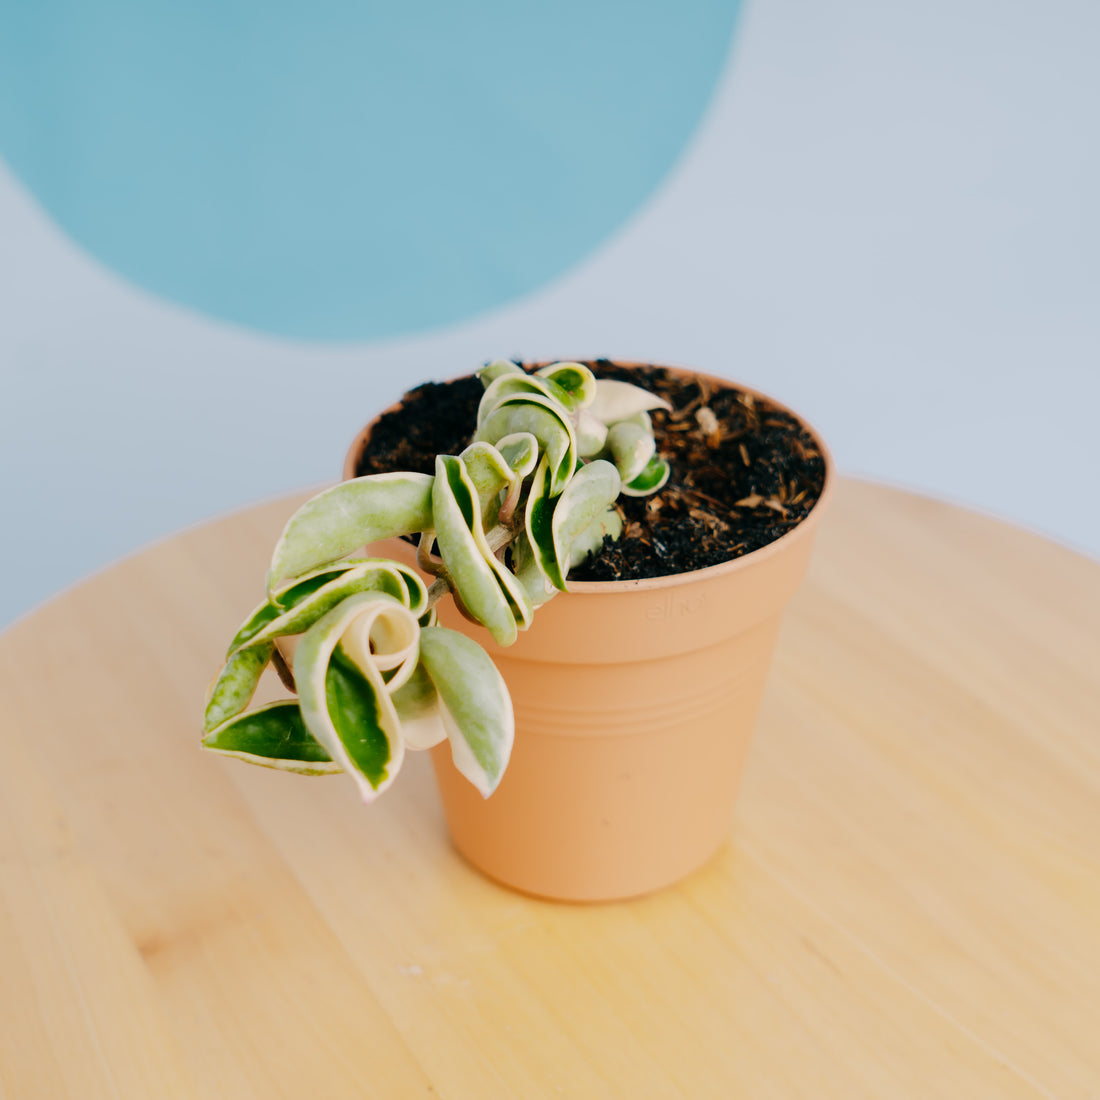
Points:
point(508, 505)
point(500, 537)
point(439, 588)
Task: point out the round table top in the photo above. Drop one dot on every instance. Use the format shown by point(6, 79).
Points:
point(909, 904)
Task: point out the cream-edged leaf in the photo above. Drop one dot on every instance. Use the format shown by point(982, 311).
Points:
point(492, 371)
point(522, 385)
point(631, 447)
point(578, 382)
point(484, 587)
point(385, 637)
point(585, 500)
point(652, 478)
point(617, 401)
point(474, 578)
point(546, 421)
point(347, 707)
point(475, 705)
point(417, 705)
point(590, 540)
point(287, 596)
point(489, 473)
point(527, 571)
point(304, 608)
point(591, 434)
point(232, 691)
point(336, 522)
point(521, 451)
point(273, 736)
point(538, 523)
point(643, 420)
point(487, 467)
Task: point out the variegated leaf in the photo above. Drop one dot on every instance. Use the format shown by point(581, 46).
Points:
point(386, 638)
point(590, 540)
point(631, 447)
point(304, 603)
point(546, 421)
point(652, 478)
point(492, 371)
point(274, 736)
point(538, 522)
point(527, 571)
point(349, 515)
point(289, 596)
point(232, 691)
point(591, 434)
point(521, 385)
point(475, 706)
point(486, 589)
point(617, 401)
point(575, 379)
point(346, 706)
point(488, 468)
point(417, 705)
point(489, 473)
point(586, 499)
point(521, 451)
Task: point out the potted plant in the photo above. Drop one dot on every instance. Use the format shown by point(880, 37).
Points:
point(635, 698)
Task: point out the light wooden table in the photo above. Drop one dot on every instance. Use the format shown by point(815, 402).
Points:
point(909, 905)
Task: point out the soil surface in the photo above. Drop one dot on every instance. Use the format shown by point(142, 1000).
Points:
point(744, 472)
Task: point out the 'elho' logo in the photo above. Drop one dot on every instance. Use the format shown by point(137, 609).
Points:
point(675, 607)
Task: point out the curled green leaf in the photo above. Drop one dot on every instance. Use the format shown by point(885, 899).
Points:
point(417, 705)
point(522, 385)
point(336, 522)
point(591, 434)
point(617, 401)
point(492, 371)
point(304, 603)
point(385, 638)
point(529, 573)
point(585, 501)
point(521, 451)
point(346, 705)
point(474, 704)
point(490, 473)
point(273, 737)
point(486, 589)
point(652, 478)
point(575, 379)
point(289, 596)
point(236, 684)
point(547, 421)
point(538, 524)
point(591, 539)
point(631, 447)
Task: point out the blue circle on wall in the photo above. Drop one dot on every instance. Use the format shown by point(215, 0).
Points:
point(349, 171)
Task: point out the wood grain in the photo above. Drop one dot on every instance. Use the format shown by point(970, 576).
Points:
point(909, 905)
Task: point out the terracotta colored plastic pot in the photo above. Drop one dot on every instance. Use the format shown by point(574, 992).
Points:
point(635, 703)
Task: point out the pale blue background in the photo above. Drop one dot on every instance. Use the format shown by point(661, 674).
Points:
point(885, 214)
point(345, 170)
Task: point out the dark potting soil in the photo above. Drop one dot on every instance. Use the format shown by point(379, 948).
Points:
point(744, 472)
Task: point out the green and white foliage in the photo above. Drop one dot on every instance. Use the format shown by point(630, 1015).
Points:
point(499, 527)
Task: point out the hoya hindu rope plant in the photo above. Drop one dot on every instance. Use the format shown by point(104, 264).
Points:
point(498, 526)
point(625, 714)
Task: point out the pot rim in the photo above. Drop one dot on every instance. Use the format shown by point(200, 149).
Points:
point(802, 529)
